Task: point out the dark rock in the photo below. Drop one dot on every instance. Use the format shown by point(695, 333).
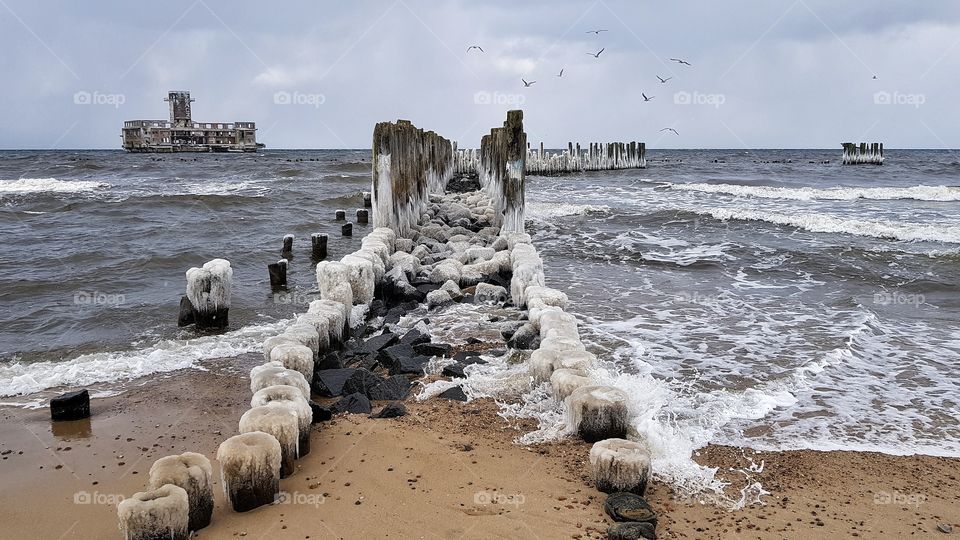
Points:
point(392, 355)
point(632, 531)
point(391, 389)
point(352, 404)
point(378, 307)
point(361, 381)
point(185, 318)
point(472, 360)
point(329, 382)
point(432, 349)
point(329, 360)
point(391, 410)
point(508, 329)
point(410, 366)
point(367, 362)
point(629, 507)
point(377, 343)
point(455, 394)
point(320, 413)
point(454, 370)
point(526, 337)
point(414, 337)
point(473, 341)
point(70, 406)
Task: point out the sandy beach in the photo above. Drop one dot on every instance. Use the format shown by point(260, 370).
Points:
point(447, 470)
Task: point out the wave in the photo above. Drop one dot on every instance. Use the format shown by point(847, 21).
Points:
point(824, 223)
point(551, 210)
point(105, 367)
point(48, 185)
point(920, 193)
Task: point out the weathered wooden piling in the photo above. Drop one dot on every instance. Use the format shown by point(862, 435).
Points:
point(366, 199)
point(362, 215)
point(278, 274)
point(346, 229)
point(539, 161)
point(864, 154)
point(407, 164)
point(287, 246)
point(318, 242)
point(501, 169)
point(340, 215)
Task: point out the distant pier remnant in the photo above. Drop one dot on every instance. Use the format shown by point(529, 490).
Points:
point(408, 163)
point(363, 216)
point(278, 274)
point(318, 243)
point(207, 301)
point(864, 154)
point(593, 157)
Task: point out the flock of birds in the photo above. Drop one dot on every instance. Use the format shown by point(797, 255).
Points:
point(646, 98)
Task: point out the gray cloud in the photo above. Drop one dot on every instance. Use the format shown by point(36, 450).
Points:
point(765, 74)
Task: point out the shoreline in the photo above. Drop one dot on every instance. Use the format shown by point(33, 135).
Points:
point(456, 473)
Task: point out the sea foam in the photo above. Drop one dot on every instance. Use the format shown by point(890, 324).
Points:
point(839, 193)
point(48, 185)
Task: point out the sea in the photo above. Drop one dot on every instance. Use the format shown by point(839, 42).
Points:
point(768, 299)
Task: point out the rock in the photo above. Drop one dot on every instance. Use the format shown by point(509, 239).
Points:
point(490, 294)
point(452, 289)
point(509, 328)
point(329, 360)
point(410, 366)
point(468, 357)
point(391, 356)
point(320, 413)
point(352, 404)
point(414, 337)
point(329, 382)
point(526, 337)
point(629, 507)
point(432, 349)
point(945, 528)
point(377, 343)
point(454, 370)
point(455, 394)
point(361, 381)
point(438, 298)
point(631, 531)
point(70, 406)
point(391, 410)
point(391, 389)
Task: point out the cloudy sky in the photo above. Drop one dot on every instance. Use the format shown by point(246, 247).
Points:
point(319, 74)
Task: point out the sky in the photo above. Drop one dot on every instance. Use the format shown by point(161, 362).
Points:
point(320, 74)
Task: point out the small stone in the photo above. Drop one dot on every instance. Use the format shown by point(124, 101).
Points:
point(945, 528)
point(629, 507)
point(631, 531)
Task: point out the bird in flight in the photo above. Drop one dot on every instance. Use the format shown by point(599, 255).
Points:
point(681, 61)
point(527, 84)
point(597, 55)
point(474, 47)
point(662, 80)
point(596, 32)
point(645, 98)
point(874, 77)
point(561, 73)
point(670, 129)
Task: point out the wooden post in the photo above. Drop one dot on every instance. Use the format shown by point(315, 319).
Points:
point(514, 141)
point(340, 215)
point(346, 229)
point(318, 242)
point(278, 274)
point(362, 215)
point(287, 247)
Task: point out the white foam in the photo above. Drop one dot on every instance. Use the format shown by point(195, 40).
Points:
point(48, 185)
point(104, 367)
point(839, 193)
point(825, 223)
point(550, 210)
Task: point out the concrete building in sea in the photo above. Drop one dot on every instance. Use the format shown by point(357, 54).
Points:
point(182, 134)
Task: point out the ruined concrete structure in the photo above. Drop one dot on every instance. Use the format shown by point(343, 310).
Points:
point(182, 134)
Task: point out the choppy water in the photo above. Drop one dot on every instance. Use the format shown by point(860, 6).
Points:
point(779, 305)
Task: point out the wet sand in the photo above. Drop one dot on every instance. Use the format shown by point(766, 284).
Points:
point(447, 470)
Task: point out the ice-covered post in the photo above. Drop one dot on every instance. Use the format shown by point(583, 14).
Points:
point(160, 513)
point(287, 251)
point(207, 301)
point(514, 143)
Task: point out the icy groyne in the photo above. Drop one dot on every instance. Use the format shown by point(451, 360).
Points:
point(538, 161)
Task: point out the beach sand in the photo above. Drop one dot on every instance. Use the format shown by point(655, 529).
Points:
point(447, 470)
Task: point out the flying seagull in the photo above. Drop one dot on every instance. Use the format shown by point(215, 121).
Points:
point(645, 98)
point(681, 61)
point(561, 73)
point(597, 32)
point(874, 77)
point(527, 84)
point(474, 47)
point(670, 129)
point(662, 80)
point(597, 55)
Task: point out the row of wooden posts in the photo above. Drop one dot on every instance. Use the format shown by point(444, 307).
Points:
point(865, 154)
point(593, 157)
